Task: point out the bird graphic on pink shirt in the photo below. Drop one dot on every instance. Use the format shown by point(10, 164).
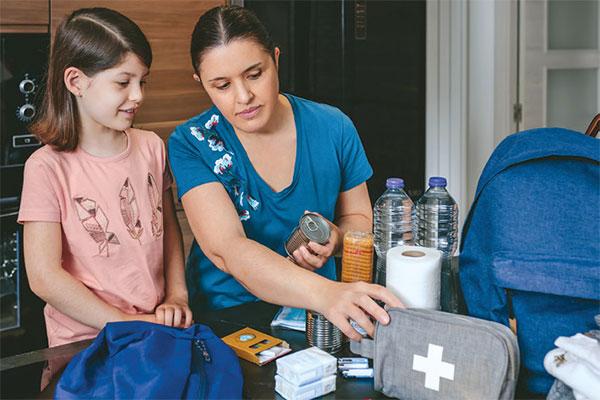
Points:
point(95, 222)
point(130, 212)
point(156, 202)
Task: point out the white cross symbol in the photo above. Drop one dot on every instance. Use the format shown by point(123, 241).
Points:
point(433, 366)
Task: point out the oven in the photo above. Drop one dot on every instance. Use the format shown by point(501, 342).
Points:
point(23, 61)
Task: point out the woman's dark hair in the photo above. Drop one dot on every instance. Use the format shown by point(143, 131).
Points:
point(221, 25)
point(92, 40)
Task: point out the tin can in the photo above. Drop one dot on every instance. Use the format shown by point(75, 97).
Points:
point(357, 257)
point(322, 333)
point(311, 228)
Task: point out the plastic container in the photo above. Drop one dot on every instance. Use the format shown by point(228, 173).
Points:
point(393, 223)
point(357, 257)
point(437, 227)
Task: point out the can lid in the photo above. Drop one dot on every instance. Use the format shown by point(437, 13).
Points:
point(315, 228)
point(437, 181)
point(394, 183)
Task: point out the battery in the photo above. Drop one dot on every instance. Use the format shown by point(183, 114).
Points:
point(352, 360)
point(346, 363)
point(358, 373)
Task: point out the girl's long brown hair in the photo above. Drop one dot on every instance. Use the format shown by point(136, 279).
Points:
point(92, 40)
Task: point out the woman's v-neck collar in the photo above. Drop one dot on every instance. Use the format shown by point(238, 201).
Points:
point(299, 136)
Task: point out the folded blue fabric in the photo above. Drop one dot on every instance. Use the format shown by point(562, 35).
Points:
point(138, 360)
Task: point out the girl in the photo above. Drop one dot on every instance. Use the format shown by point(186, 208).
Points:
point(247, 169)
point(101, 239)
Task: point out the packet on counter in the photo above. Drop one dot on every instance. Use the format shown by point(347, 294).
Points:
point(347, 363)
point(290, 318)
point(256, 347)
point(306, 366)
point(304, 392)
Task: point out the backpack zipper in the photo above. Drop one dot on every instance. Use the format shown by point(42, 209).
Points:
point(200, 349)
point(203, 349)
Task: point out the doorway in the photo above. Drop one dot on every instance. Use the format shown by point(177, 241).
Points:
point(559, 79)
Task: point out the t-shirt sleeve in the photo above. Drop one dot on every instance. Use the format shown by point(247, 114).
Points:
point(355, 165)
point(189, 167)
point(39, 201)
point(167, 177)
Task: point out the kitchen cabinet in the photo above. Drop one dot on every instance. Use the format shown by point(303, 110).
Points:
point(24, 16)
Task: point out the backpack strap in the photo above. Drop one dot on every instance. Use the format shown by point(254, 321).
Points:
point(592, 130)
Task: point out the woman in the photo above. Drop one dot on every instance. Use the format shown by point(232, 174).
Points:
point(249, 167)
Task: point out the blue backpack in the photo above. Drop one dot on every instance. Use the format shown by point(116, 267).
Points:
point(140, 360)
point(530, 246)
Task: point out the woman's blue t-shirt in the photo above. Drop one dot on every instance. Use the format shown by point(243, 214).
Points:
point(330, 159)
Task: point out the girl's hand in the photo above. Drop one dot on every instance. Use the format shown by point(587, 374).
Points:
point(342, 302)
point(139, 317)
point(315, 255)
point(174, 312)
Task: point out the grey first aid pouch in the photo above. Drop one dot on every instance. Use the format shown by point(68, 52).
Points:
point(426, 354)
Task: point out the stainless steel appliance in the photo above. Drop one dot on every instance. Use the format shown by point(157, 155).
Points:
point(9, 275)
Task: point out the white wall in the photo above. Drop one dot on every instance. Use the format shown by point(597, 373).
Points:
point(471, 88)
point(446, 96)
point(492, 81)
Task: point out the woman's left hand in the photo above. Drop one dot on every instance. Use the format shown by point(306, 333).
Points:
point(174, 312)
point(315, 255)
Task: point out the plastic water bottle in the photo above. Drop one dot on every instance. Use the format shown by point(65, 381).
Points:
point(394, 223)
point(437, 227)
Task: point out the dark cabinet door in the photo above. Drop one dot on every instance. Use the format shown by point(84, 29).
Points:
point(367, 58)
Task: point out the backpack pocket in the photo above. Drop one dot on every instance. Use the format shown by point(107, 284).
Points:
point(549, 296)
point(561, 275)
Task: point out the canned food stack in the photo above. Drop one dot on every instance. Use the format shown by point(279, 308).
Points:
point(322, 333)
point(357, 257)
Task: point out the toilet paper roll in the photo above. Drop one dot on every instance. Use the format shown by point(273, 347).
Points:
point(413, 274)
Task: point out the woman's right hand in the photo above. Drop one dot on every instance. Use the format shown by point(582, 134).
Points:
point(342, 302)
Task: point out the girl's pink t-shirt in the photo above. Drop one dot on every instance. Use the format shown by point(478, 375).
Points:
point(110, 211)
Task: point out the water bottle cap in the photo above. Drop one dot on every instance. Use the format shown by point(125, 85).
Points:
point(394, 183)
point(437, 181)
